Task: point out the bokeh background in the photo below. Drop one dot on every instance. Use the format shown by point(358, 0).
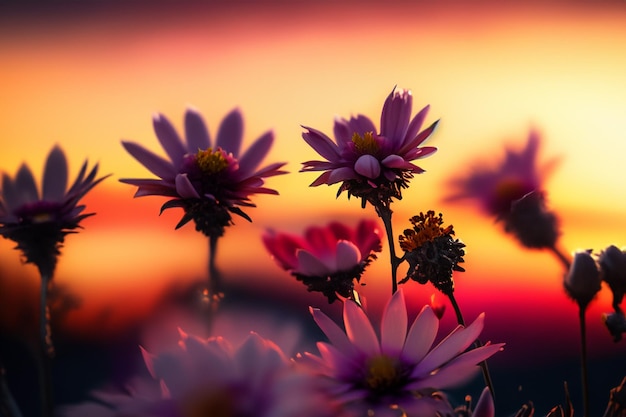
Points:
point(86, 75)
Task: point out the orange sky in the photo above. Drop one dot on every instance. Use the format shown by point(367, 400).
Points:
point(489, 74)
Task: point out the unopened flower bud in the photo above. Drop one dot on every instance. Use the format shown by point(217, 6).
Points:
point(612, 263)
point(582, 281)
point(616, 323)
point(531, 222)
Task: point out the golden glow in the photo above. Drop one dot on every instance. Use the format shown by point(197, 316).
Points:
point(490, 74)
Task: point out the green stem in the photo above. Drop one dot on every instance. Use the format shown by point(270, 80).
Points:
point(384, 212)
point(583, 358)
point(46, 349)
point(477, 344)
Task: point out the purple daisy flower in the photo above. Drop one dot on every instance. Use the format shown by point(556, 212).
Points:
point(208, 180)
point(495, 188)
point(399, 370)
point(39, 221)
point(327, 259)
point(372, 165)
point(211, 377)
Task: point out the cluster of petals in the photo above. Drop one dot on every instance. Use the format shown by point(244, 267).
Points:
point(324, 251)
point(399, 369)
point(21, 201)
point(361, 152)
point(184, 177)
point(33, 218)
point(496, 187)
point(211, 377)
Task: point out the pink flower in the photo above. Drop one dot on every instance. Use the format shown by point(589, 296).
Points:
point(39, 221)
point(209, 181)
point(496, 187)
point(368, 373)
point(327, 259)
point(211, 377)
point(372, 165)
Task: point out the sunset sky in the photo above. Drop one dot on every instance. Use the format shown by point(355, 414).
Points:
point(86, 79)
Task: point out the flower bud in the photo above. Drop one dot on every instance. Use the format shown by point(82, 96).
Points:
point(534, 226)
point(612, 263)
point(582, 281)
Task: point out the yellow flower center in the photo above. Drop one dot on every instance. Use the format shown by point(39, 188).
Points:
point(426, 227)
point(365, 144)
point(210, 161)
point(382, 373)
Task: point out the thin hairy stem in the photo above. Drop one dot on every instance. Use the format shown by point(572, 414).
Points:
point(561, 257)
point(384, 212)
point(8, 406)
point(477, 343)
point(583, 358)
point(214, 292)
point(46, 349)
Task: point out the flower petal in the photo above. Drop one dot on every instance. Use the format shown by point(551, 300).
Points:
point(359, 329)
point(230, 133)
point(25, 185)
point(453, 344)
point(485, 406)
point(155, 164)
point(321, 143)
point(415, 125)
point(394, 325)
point(55, 176)
point(336, 336)
point(196, 132)
point(348, 255)
point(9, 194)
point(368, 166)
point(251, 159)
point(395, 116)
point(421, 335)
point(169, 139)
point(184, 188)
point(310, 265)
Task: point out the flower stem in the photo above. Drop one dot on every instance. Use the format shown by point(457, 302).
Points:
point(213, 292)
point(46, 349)
point(561, 257)
point(8, 406)
point(477, 343)
point(583, 358)
point(384, 212)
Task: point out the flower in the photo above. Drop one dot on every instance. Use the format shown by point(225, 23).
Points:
point(39, 221)
point(484, 406)
point(327, 259)
point(531, 222)
point(370, 165)
point(431, 251)
point(208, 181)
point(495, 188)
point(372, 374)
point(211, 377)
point(582, 281)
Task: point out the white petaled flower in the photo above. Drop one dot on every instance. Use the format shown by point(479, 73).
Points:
point(400, 371)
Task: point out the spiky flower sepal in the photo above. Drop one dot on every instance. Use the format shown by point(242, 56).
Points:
point(339, 284)
point(210, 217)
point(40, 243)
point(376, 194)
